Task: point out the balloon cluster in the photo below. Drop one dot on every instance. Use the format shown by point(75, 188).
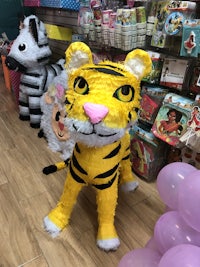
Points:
point(176, 238)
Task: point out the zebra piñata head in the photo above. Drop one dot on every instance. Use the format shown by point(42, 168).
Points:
point(102, 99)
point(30, 49)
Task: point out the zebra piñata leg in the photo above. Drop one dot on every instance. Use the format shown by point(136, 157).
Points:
point(35, 111)
point(24, 114)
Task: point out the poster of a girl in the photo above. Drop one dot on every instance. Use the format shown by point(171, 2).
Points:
point(192, 135)
point(172, 125)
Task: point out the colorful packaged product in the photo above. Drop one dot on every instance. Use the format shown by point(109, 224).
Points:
point(151, 101)
point(171, 121)
point(147, 153)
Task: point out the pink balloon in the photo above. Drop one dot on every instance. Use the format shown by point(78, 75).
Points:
point(189, 200)
point(140, 257)
point(169, 179)
point(183, 255)
point(171, 230)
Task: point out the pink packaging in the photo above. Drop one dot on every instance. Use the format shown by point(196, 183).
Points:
point(31, 2)
point(112, 20)
point(106, 16)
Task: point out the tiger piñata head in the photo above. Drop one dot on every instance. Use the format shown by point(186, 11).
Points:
point(102, 99)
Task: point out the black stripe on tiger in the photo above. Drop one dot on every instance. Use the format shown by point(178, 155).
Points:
point(104, 186)
point(125, 158)
point(75, 176)
point(67, 101)
point(110, 66)
point(128, 147)
point(106, 71)
point(77, 148)
point(108, 173)
point(129, 116)
point(113, 153)
point(77, 165)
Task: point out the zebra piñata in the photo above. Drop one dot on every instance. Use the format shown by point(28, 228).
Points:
point(30, 54)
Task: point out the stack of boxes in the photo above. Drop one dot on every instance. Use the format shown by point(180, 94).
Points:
point(124, 29)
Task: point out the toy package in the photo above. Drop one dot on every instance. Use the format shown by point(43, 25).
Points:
point(151, 101)
point(147, 155)
point(184, 154)
point(173, 72)
point(171, 121)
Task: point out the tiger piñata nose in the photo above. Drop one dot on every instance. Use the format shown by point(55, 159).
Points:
point(95, 112)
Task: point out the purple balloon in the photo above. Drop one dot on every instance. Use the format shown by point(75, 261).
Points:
point(152, 244)
point(183, 255)
point(189, 200)
point(171, 230)
point(140, 257)
point(169, 179)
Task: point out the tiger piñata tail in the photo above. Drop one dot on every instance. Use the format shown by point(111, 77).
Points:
point(29, 54)
point(101, 102)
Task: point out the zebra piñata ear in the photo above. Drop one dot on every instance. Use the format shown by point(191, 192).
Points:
point(77, 55)
point(33, 29)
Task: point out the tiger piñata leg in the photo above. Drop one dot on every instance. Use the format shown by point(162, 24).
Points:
point(128, 180)
point(59, 217)
point(107, 238)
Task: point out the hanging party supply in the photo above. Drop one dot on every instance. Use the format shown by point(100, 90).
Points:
point(171, 121)
point(169, 19)
point(190, 39)
point(191, 137)
point(174, 23)
point(173, 72)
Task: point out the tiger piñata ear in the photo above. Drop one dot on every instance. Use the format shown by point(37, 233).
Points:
point(77, 55)
point(138, 62)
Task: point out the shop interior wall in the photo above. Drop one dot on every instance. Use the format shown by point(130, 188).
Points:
point(59, 17)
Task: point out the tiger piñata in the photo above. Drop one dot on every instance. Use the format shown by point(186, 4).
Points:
point(102, 101)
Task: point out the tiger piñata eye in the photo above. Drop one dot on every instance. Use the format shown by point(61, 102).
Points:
point(81, 86)
point(124, 93)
